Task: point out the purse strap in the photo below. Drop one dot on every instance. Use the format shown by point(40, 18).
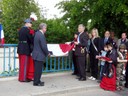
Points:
point(121, 55)
point(94, 45)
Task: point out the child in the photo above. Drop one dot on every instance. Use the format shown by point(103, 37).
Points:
point(120, 73)
point(102, 63)
point(108, 82)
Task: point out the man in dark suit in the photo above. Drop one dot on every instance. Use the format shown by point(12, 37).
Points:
point(24, 51)
point(105, 40)
point(39, 54)
point(80, 52)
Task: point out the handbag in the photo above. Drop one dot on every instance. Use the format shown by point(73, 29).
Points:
point(82, 50)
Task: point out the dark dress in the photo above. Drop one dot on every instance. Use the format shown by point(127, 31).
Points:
point(109, 83)
point(93, 52)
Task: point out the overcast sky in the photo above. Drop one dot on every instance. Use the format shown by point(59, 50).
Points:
point(49, 6)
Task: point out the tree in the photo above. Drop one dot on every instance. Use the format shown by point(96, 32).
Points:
point(58, 32)
point(76, 12)
point(14, 12)
point(104, 14)
point(110, 15)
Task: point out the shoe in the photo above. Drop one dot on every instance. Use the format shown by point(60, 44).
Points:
point(82, 79)
point(39, 84)
point(90, 77)
point(88, 71)
point(27, 80)
point(74, 74)
point(93, 79)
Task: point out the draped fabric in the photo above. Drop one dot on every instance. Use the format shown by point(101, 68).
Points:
point(1, 35)
point(60, 49)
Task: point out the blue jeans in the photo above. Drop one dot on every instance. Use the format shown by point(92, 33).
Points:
point(101, 71)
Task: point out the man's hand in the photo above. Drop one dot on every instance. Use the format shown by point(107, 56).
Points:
point(76, 43)
point(109, 61)
point(97, 56)
point(102, 60)
point(49, 55)
point(67, 42)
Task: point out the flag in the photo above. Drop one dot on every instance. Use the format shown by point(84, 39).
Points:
point(1, 35)
point(60, 49)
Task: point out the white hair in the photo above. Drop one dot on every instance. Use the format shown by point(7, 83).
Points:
point(42, 25)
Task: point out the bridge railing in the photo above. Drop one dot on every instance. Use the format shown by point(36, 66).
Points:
point(9, 61)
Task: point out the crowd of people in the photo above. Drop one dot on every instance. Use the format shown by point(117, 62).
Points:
point(105, 58)
point(89, 52)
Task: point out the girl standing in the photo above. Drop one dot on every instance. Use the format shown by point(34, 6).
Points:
point(109, 79)
point(120, 70)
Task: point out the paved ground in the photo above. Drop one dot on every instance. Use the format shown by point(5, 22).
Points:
point(56, 84)
point(94, 92)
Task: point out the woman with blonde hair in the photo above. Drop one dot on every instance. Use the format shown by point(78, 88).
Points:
point(94, 50)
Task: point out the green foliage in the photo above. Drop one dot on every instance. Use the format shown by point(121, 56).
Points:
point(57, 32)
point(14, 12)
point(110, 15)
point(104, 14)
point(75, 13)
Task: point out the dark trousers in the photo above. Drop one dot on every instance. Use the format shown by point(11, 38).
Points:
point(81, 66)
point(94, 66)
point(75, 63)
point(101, 71)
point(126, 78)
point(38, 67)
point(88, 62)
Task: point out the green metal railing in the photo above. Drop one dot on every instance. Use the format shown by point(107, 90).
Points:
point(9, 62)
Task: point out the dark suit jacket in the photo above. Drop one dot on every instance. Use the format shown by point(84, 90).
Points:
point(102, 42)
point(25, 36)
point(40, 50)
point(83, 44)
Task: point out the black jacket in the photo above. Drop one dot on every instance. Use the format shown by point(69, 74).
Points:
point(113, 56)
point(92, 49)
point(25, 41)
point(83, 38)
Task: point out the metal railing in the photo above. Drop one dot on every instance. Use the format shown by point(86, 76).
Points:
point(9, 62)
